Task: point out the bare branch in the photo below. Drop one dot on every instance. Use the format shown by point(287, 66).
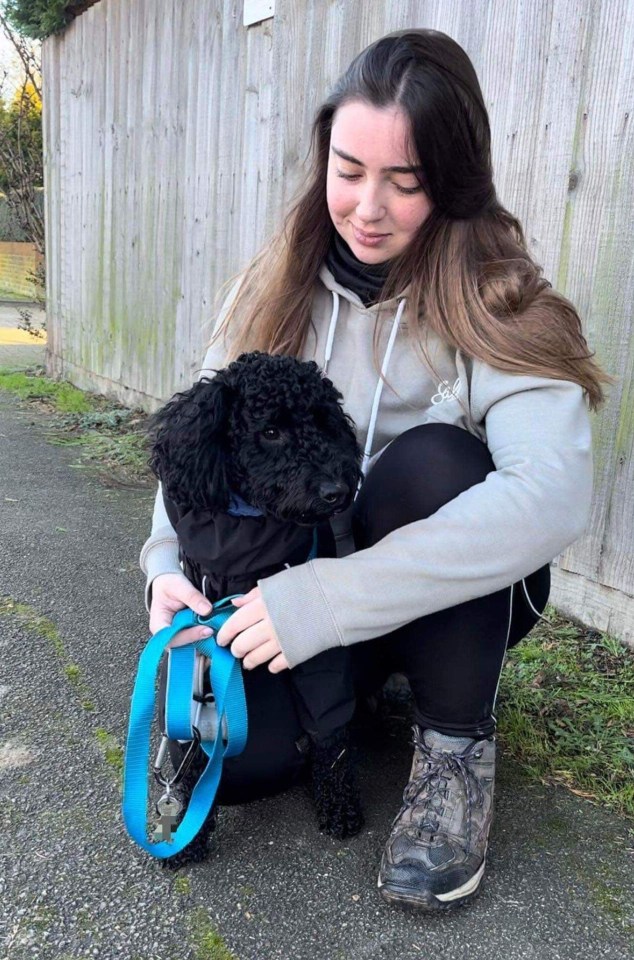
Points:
point(28, 54)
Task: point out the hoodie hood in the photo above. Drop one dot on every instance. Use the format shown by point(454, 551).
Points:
point(328, 279)
point(397, 305)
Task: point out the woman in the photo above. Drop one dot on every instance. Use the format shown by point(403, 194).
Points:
point(398, 259)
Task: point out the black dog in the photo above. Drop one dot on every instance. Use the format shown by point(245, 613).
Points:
point(253, 463)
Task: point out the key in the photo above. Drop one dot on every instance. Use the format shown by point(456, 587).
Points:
point(168, 809)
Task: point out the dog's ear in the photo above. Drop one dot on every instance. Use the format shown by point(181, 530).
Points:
point(189, 438)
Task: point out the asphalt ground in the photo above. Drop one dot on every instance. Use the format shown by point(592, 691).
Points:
point(559, 882)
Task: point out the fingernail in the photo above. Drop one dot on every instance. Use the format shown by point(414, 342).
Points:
point(204, 611)
point(206, 632)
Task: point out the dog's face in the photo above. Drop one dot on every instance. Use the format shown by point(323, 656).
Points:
point(268, 428)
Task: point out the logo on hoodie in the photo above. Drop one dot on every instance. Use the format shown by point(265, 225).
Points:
point(446, 392)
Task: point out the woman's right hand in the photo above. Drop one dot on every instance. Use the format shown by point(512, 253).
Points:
point(172, 592)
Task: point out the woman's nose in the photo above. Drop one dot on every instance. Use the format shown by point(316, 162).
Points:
point(370, 206)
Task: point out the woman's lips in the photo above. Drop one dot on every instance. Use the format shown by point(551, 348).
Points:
point(368, 239)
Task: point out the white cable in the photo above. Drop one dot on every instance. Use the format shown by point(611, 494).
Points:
point(506, 643)
point(528, 599)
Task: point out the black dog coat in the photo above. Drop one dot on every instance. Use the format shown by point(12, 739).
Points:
point(225, 553)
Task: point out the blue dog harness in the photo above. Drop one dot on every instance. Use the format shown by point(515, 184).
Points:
point(228, 690)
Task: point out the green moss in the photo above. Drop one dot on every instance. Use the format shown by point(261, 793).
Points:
point(206, 941)
point(625, 430)
point(604, 889)
point(182, 886)
point(111, 748)
point(72, 672)
point(33, 622)
point(42, 918)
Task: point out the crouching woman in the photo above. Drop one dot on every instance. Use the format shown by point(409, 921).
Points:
point(469, 381)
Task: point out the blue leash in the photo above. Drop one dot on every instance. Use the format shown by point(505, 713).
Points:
point(228, 690)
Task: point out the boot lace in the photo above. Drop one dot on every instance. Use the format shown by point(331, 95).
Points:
point(426, 790)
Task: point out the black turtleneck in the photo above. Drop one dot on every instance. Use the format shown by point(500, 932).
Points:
point(364, 279)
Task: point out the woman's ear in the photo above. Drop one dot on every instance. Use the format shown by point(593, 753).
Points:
point(189, 445)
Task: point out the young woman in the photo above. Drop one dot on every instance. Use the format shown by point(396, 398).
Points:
point(469, 380)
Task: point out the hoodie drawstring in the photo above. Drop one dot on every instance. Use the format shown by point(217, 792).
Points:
point(380, 385)
point(331, 329)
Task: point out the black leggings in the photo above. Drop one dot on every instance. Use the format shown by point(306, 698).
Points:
point(452, 658)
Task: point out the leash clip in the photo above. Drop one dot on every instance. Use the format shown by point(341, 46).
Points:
point(184, 766)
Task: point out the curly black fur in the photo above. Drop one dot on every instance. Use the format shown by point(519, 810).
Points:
point(271, 429)
point(198, 849)
point(333, 787)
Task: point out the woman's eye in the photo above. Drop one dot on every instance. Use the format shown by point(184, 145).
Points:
point(271, 433)
point(355, 176)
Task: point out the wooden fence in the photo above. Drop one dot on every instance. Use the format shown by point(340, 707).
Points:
point(175, 137)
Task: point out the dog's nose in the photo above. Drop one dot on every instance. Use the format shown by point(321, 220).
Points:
point(333, 494)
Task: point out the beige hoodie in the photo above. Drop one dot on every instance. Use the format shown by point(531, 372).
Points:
point(523, 515)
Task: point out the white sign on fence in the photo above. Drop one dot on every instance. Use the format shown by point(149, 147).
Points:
point(257, 10)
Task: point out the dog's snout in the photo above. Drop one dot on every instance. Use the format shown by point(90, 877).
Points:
point(333, 494)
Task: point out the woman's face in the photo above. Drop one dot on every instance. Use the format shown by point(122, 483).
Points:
point(375, 208)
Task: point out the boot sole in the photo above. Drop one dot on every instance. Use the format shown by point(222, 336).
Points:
point(407, 899)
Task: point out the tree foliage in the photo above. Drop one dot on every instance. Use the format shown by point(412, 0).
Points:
point(21, 153)
point(39, 18)
point(21, 138)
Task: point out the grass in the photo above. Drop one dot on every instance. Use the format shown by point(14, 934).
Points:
point(63, 396)
point(110, 438)
point(566, 711)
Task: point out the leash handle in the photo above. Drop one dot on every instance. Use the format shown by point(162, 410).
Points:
point(226, 680)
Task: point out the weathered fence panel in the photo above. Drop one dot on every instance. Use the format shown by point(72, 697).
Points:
point(175, 138)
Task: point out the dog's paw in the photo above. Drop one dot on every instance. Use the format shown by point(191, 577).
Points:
point(198, 849)
point(342, 818)
point(195, 852)
point(334, 789)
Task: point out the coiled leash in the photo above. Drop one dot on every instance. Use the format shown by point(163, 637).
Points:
point(182, 715)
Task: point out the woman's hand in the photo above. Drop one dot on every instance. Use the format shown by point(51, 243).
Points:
point(172, 592)
point(252, 633)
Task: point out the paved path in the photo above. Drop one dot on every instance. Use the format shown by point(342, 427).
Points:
point(559, 883)
point(18, 348)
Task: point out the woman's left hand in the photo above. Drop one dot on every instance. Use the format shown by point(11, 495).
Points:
point(253, 635)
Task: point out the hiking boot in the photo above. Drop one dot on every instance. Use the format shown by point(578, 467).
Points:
point(435, 856)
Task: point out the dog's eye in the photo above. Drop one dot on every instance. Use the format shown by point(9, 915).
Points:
point(271, 433)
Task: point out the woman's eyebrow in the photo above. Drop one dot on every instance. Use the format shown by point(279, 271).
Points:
point(346, 156)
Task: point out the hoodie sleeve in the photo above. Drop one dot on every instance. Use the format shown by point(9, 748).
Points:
point(524, 514)
point(159, 553)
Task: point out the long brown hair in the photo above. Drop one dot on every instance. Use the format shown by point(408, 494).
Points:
point(468, 273)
